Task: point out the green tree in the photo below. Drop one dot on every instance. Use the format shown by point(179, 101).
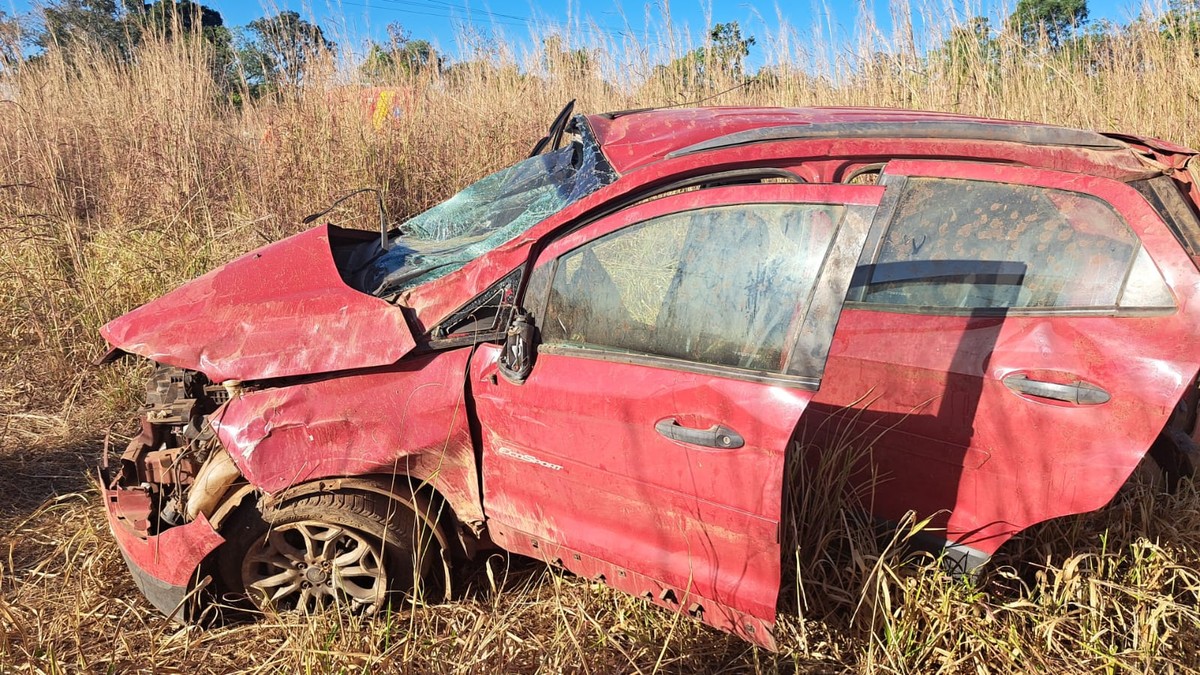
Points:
point(972, 42)
point(1059, 20)
point(12, 35)
point(1181, 21)
point(99, 24)
point(118, 29)
point(172, 19)
point(1096, 48)
point(403, 54)
point(377, 66)
point(189, 18)
point(276, 49)
point(560, 60)
point(727, 49)
point(723, 54)
point(411, 55)
point(970, 53)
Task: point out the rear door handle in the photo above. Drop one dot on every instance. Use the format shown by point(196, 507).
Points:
point(716, 436)
point(1078, 393)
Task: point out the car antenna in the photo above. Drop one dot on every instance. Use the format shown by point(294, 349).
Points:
point(383, 228)
point(685, 104)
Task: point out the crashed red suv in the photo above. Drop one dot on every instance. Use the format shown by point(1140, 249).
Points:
point(602, 357)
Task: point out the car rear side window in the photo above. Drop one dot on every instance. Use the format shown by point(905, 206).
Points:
point(960, 244)
point(718, 286)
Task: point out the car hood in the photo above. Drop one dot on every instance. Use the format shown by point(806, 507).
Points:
point(279, 311)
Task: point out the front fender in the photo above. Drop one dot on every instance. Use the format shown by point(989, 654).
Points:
point(409, 419)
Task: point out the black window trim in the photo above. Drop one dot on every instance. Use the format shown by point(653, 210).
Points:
point(614, 355)
point(1084, 312)
point(1158, 191)
point(440, 337)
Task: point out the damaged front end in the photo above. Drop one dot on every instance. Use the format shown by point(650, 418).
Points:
point(169, 481)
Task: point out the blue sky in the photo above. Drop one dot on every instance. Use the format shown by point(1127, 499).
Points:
point(442, 21)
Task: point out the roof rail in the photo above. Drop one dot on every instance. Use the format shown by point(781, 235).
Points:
point(1031, 134)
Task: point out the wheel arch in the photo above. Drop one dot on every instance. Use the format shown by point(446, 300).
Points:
point(419, 496)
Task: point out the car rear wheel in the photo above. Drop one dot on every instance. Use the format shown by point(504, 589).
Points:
point(347, 549)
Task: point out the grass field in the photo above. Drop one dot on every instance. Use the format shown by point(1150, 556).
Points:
point(120, 181)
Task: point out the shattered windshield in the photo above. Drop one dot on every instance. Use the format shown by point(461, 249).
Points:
point(485, 215)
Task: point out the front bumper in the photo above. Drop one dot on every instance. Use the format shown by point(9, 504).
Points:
point(164, 567)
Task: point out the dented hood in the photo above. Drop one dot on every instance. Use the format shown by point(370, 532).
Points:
point(279, 311)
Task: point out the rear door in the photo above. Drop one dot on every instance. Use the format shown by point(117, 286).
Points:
point(681, 340)
point(1019, 337)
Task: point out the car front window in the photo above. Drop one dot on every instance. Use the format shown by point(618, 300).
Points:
point(485, 215)
point(717, 285)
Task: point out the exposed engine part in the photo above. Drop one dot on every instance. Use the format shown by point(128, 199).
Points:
point(170, 453)
point(211, 483)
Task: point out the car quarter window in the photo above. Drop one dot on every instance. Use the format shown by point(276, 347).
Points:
point(486, 314)
point(718, 285)
point(962, 244)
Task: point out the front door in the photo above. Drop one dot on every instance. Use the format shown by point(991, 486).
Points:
point(681, 340)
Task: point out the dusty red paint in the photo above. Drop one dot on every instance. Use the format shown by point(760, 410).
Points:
point(409, 418)
point(995, 461)
point(699, 520)
point(572, 458)
point(171, 557)
point(684, 599)
point(573, 471)
point(279, 311)
point(640, 139)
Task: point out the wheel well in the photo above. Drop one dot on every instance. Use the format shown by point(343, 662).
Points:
point(1175, 451)
point(420, 496)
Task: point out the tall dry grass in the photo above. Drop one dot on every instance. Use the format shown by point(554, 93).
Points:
point(120, 180)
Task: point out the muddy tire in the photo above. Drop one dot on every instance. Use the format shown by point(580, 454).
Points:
point(350, 549)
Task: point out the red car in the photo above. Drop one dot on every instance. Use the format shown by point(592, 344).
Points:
point(602, 356)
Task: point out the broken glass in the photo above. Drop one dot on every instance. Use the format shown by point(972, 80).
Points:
point(484, 216)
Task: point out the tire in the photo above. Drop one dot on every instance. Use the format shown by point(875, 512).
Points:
point(350, 549)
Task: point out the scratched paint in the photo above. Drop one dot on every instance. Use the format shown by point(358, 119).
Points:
point(279, 311)
point(410, 419)
point(335, 382)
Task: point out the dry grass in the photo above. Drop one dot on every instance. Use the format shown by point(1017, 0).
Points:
point(120, 181)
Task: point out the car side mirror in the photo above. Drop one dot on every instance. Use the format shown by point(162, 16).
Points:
point(516, 359)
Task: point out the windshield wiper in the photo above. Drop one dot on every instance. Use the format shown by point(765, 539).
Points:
point(383, 228)
point(553, 137)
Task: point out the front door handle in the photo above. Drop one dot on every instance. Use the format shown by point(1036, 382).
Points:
point(1078, 393)
point(716, 436)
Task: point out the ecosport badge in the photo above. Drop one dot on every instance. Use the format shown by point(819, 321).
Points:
point(528, 458)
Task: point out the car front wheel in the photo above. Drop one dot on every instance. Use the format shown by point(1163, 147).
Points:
point(346, 549)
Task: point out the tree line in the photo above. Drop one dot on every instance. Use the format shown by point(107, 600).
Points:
point(275, 50)
point(264, 55)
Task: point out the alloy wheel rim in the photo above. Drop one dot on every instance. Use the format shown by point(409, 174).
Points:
point(311, 566)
